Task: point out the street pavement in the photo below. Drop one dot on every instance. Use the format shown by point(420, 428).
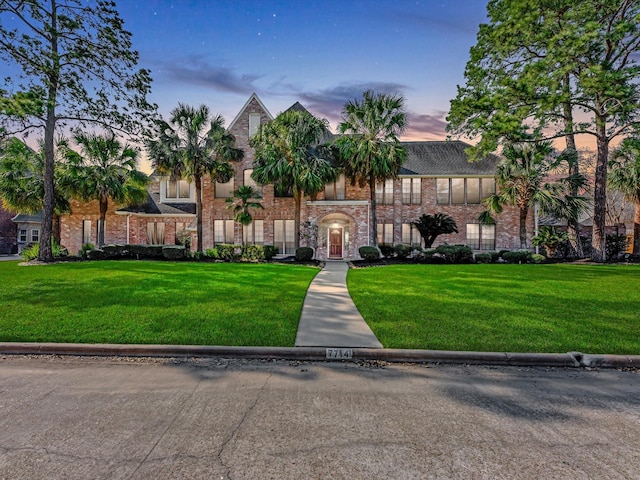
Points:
point(66, 417)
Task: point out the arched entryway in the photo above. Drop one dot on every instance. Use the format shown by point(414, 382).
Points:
point(335, 231)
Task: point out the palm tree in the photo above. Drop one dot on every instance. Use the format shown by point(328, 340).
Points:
point(624, 176)
point(370, 151)
point(432, 226)
point(105, 169)
point(520, 181)
point(289, 156)
point(190, 146)
point(22, 181)
point(242, 202)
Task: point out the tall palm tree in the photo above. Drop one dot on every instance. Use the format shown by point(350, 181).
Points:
point(624, 176)
point(521, 182)
point(289, 155)
point(244, 199)
point(104, 169)
point(370, 151)
point(22, 181)
point(190, 146)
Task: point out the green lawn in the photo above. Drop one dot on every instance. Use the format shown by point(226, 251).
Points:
point(513, 308)
point(153, 302)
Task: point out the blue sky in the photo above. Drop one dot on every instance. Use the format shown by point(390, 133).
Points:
point(319, 52)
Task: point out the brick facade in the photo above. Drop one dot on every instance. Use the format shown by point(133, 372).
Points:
point(349, 219)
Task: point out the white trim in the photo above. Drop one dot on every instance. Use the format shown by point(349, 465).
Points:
point(338, 202)
point(253, 95)
point(138, 214)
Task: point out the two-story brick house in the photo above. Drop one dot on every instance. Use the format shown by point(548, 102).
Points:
point(436, 177)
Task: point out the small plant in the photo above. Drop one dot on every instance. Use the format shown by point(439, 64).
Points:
point(253, 253)
point(183, 237)
point(85, 249)
point(270, 251)
point(517, 256)
point(483, 258)
point(616, 246)
point(549, 239)
point(537, 258)
point(370, 254)
point(304, 254)
point(403, 251)
point(30, 253)
point(387, 250)
point(455, 253)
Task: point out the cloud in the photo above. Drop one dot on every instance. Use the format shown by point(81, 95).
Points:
point(197, 70)
point(423, 126)
point(328, 103)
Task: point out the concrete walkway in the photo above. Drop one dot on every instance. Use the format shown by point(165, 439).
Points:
point(329, 317)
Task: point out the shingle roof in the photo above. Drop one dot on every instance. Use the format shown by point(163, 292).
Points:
point(445, 158)
point(25, 218)
point(153, 207)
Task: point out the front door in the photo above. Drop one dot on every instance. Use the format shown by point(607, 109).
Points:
point(335, 243)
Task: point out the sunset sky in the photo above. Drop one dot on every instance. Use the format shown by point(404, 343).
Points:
point(319, 52)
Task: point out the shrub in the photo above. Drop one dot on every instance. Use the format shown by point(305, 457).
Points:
point(616, 246)
point(369, 254)
point(270, 251)
point(174, 252)
point(96, 254)
point(146, 251)
point(30, 253)
point(455, 253)
point(387, 250)
point(403, 251)
point(537, 258)
point(197, 256)
point(87, 247)
point(116, 251)
point(253, 253)
point(517, 256)
point(211, 253)
point(304, 254)
point(226, 252)
point(483, 258)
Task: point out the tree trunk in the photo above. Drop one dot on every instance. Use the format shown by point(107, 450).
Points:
point(104, 204)
point(297, 197)
point(636, 229)
point(55, 228)
point(599, 238)
point(523, 227)
point(198, 182)
point(374, 219)
point(573, 226)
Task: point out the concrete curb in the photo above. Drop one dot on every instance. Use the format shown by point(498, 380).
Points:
point(571, 359)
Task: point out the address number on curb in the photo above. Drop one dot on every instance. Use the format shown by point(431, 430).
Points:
point(339, 353)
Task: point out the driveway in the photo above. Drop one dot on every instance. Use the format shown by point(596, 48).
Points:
point(122, 418)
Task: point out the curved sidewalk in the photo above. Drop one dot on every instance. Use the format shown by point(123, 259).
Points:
point(329, 317)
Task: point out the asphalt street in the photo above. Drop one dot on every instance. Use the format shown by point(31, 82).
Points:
point(140, 418)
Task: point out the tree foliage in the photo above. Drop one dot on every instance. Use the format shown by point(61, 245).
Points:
point(369, 149)
point(103, 170)
point(75, 65)
point(244, 200)
point(432, 226)
point(191, 145)
point(625, 178)
point(537, 63)
point(289, 155)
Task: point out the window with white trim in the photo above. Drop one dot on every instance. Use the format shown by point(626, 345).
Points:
point(463, 191)
point(86, 232)
point(223, 231)
point(250, 182)
point(35, 235)
point(385, 233)
point(384, 192)
point(224, 190)
point(336, 190)
point(411, 191)
point(481, 236)
point(284, 236)
point(178, 190)
point(411, 235)
point(253, 234)
point(155, 233)
point(22, 236)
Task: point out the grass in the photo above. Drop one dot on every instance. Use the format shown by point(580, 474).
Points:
point(513, 308)
point(153, 303)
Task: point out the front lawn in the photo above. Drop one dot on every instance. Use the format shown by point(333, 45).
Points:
point(153, 302)
point(503, 308)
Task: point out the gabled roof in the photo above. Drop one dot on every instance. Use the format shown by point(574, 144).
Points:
point(25, 218)
point(444, 158)
point(153, 207)
point(244, 107)
point(298, 107)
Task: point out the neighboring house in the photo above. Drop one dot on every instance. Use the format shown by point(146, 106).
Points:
point(8, 232)
point(28, 229)
point(436, 177)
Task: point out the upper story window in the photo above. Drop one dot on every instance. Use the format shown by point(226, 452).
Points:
point(461, 191)
point(250, 182)
point(411, 193)
point(35, 235)
point(177, 190)
point(254, 124)
point(384, 192)
point(335, 190)
point(224, 190)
